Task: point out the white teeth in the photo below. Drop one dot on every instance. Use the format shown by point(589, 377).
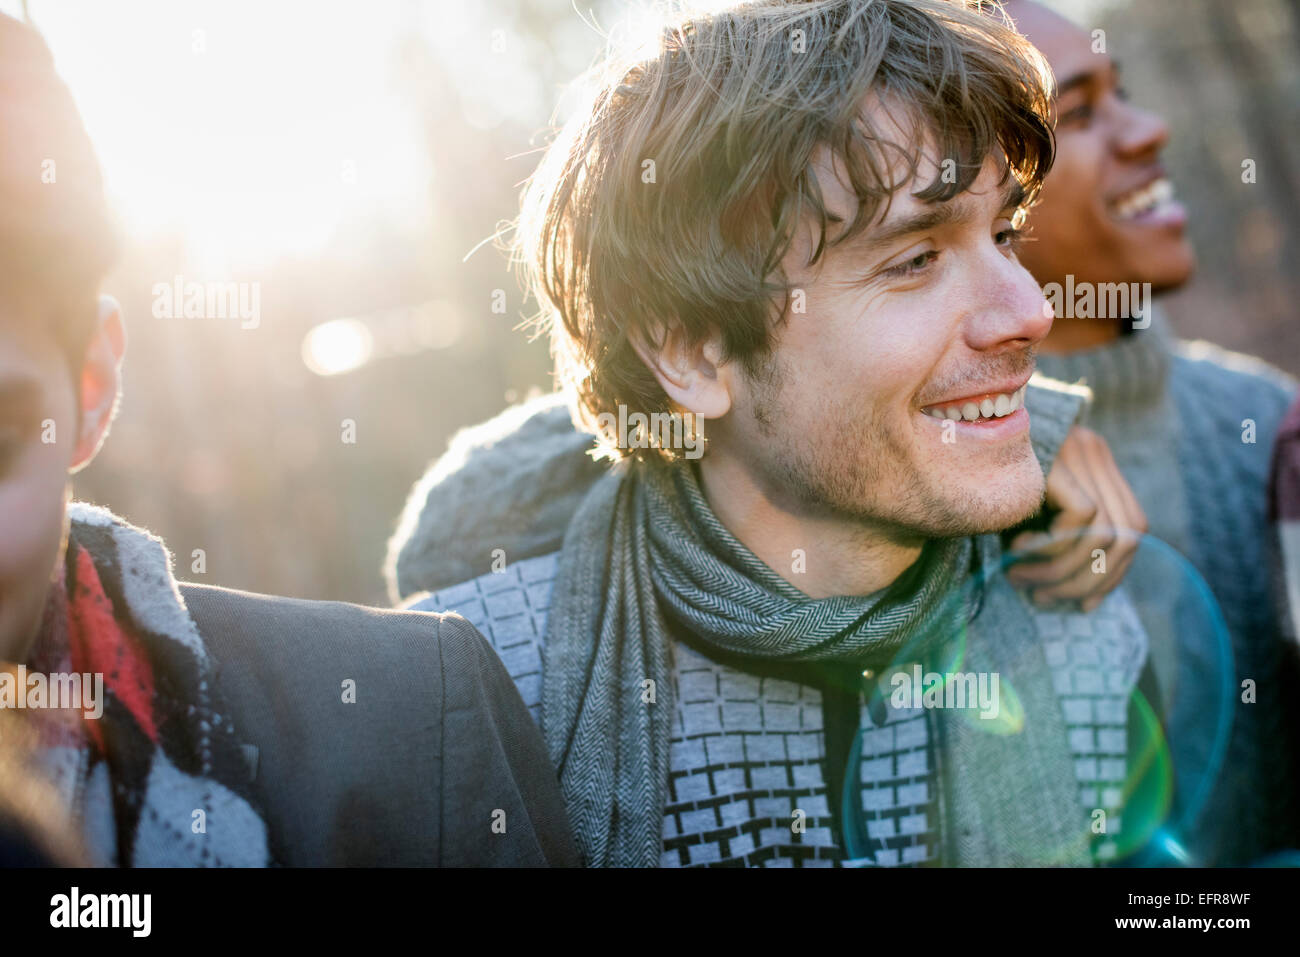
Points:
point(988, 408)
point(1141, 200)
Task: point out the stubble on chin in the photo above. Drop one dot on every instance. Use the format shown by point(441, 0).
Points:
point(871, 475)
point(866, 469)
point(1017, 495)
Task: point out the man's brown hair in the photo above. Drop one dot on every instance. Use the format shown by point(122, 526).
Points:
point(670, 201)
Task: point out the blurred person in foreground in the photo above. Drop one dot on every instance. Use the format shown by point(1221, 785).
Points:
point(1190, 425)
point(809, 246)
point(216, 726)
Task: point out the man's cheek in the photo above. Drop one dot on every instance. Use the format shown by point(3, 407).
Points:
point(32, 508)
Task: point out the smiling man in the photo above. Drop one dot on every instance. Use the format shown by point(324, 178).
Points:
point(1191, 426)
point(899, 318)
point(811, 246)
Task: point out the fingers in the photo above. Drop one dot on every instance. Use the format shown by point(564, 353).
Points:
point(1069, 484)
point(1089, 604)
point(1132, 516)
point(1070, 575)
point(1091, 563)
point(1126, 520)
point(1042, 545)
point(1086, 583)
point(1092, 542)
point(1055, 554)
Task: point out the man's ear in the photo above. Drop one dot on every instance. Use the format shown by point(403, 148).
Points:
point(101, 381)
point(693, 375)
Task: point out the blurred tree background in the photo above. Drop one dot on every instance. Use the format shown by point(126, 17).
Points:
point(227, 442)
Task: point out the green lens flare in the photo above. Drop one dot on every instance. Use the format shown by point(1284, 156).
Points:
point(1007, 717)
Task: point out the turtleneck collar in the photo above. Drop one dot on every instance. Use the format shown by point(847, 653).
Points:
point(1130, 371)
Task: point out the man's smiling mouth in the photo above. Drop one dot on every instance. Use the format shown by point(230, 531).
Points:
point(989, 405)
point(1151, 199)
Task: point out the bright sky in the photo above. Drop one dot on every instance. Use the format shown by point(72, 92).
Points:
point(251, 128)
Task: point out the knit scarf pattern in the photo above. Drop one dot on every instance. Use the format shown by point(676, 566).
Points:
point(645, 553)
point(160, 778)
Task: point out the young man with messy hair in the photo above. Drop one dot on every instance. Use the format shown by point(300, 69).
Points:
point(798, 223)
point(219, 736)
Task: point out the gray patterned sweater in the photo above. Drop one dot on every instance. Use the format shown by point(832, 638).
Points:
point(1192, 427)
point(748, 780)
point(747, 785)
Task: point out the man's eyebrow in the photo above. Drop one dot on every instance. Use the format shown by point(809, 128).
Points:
point(1084, 77)
point(957, 210)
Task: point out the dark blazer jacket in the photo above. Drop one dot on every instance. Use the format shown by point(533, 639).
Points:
point(436, 761)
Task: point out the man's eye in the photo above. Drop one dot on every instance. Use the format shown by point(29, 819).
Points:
point(911, 267)
point(1077, 115)
point(1009, 237)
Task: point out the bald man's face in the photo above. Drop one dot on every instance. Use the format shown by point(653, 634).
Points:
point(1107, 213)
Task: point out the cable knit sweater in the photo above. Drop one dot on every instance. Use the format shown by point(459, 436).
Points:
point(1192, 428)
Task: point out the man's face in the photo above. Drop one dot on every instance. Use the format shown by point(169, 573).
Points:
point(1107, 213)
point(923, 317)
point(36, 386)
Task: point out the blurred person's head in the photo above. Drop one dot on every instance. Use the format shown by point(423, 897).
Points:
point(1108, 213)
point(61, 343)
point(799, 222)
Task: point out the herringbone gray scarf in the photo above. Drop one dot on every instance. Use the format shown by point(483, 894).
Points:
point(644, 548)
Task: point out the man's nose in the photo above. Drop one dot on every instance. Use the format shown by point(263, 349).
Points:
point(1138, 133)
point(1015, 315)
